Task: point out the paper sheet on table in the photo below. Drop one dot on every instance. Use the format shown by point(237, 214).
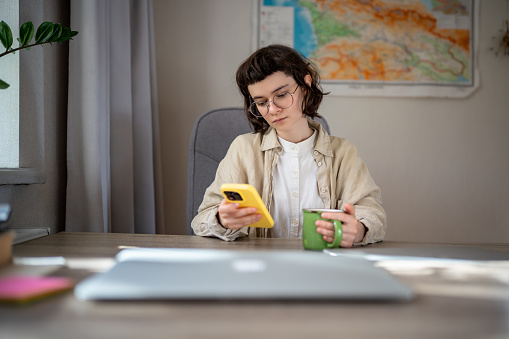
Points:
point(452, 277)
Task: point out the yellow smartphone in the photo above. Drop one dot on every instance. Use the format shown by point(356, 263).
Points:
point(247, 196)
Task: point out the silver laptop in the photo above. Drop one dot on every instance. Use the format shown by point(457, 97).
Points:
point(159, 274)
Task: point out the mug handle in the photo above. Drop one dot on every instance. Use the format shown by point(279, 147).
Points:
point(338, 227)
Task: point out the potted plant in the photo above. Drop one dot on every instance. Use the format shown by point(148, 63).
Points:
point(47, 33)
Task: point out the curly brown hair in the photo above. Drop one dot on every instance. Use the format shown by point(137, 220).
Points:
point(278, 58)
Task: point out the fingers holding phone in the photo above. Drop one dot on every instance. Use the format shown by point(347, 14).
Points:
point(232, 216)
point(242, 207)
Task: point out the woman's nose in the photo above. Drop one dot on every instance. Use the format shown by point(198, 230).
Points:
point(273, 109)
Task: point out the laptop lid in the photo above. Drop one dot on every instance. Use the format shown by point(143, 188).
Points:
point(158, 274)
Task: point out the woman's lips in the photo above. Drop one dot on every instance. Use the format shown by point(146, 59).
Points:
point(277, 121)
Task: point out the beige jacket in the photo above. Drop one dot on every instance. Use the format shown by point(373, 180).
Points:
point(342, 177)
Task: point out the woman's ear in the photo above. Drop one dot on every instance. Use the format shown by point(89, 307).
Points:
point(308, 80)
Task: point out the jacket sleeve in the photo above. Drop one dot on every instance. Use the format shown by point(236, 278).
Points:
point(230, 170)
point(356, 186)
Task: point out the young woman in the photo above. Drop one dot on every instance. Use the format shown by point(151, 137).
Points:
point(291, 160)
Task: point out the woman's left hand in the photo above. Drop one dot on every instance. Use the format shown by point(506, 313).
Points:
point(353, 229)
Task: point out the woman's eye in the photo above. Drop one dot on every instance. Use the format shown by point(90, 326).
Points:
point(282, 94)
point(261, 103)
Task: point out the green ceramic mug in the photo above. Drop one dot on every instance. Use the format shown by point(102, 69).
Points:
point(311, 239)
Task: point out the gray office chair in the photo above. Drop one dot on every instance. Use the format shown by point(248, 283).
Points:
point(212, 134)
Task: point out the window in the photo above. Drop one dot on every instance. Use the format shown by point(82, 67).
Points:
point(31, 108)
point(9, 72)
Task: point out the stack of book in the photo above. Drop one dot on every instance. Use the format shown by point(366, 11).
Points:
point(6, 236)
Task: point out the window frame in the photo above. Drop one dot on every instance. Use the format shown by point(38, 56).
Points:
point(31, 108)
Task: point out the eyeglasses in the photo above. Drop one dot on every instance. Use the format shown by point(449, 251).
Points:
point(281, 99)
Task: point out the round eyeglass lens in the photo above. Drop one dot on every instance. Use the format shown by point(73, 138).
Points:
point(254, 109)
point(282, 100)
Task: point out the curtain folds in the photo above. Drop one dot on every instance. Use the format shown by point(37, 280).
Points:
point(113, 155)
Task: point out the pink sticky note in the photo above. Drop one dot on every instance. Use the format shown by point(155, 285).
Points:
point(26, 288)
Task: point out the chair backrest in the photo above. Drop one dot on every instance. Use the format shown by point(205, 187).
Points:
point(212, 134)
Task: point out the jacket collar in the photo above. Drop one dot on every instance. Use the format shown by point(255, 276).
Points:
point(323, 145)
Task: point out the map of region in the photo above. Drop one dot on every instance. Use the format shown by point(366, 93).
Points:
point(377, 41)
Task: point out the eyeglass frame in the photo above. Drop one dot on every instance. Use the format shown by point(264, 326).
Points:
point(268, 103)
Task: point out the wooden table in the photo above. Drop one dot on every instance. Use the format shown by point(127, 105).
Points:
point(450, 303)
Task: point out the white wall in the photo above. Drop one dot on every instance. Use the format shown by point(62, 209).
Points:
point(442, 164)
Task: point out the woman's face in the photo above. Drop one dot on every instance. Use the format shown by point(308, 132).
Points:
point(288, 122)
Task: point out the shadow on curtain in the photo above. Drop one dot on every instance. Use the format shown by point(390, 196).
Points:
point(113, 154)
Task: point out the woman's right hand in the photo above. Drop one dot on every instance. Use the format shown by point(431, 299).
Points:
point(233, 217)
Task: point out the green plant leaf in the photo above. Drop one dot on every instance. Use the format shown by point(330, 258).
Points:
point(66, 34)
point(44, 31)
point(3, 84)
point(57, 31)
point(26, 33)
point(5, 35)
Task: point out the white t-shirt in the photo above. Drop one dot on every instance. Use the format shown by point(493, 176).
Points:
point(294, 187)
